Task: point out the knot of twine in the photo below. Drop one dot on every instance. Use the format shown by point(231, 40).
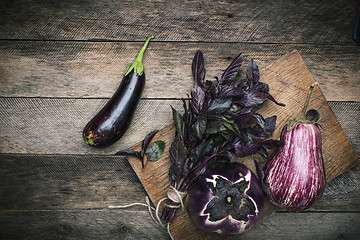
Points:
point(175, 196)
point(172, 194)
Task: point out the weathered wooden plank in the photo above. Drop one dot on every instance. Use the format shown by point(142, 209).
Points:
point(136, 224)
point(95, 69)
point(306, 226)
point(43, 182)
point(54, 126)
point(51, 126)
point(69, 182)
point(220, 21)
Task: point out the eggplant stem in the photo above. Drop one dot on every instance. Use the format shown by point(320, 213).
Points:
point(137, 65)
point(302, 117)
point(303, 112)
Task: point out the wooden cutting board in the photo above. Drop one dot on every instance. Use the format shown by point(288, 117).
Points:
point(289, 81)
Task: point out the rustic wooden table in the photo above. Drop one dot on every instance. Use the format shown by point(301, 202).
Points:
point(60, 61)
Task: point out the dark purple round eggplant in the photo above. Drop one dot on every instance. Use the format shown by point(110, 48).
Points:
point(227, 200)
point(112, 121)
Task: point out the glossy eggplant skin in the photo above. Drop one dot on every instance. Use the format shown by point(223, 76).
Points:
point(231, 217)
point(112, 121)
point(295, 174)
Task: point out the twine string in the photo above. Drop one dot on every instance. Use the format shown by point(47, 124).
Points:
point(172, 194)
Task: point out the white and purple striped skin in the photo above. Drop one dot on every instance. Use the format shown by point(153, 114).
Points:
point(295, 173)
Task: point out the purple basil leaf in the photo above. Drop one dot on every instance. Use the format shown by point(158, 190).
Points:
point(252, 98)
point(263, 132)
point(244, 110)
point(177, 151)
point(198, 100)
point(273, 99)
point(259, 169)
point(241, 83)
point(198, 68)
point(246, 136)
point(243, 149)
point(246, 120)
point(179, 123)
point(272, 144)
point(263, 152)
point(262, 87)
point(136, 154)
point(214, 126)
point(252, 73)
point(178, 156)
point(173, 175)
point(200, 126)
point(230, 91)
point(249, 119)
point(232, 70)
point(260, 173)
point(129, 153)
point(219, 105)
point(270, 124)
point(202, 150)
point(229, 156)
point(187, 116)
point(155, 150)
point(145, 143)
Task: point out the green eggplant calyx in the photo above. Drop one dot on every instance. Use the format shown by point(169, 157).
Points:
point(89, 139)
point(137, 65)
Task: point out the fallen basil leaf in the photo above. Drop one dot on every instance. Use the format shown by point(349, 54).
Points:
point(129, 153)
point(147, 140)
point(136, 154)
point(155, 150)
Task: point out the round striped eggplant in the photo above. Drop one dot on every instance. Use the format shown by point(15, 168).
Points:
point(227, 200)
point(295, 173)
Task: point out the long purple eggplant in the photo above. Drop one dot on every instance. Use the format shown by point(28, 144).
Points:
point(112, 121)
point(295, 173)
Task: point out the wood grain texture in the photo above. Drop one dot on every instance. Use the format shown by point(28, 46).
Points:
point(54, 126)
point(63, 69)
point(79, 224)
point(222, 21)
point(107, 224)
point(80, 182)
point(50, 182)
point(289, 81)
point(60, 61)
point(66, 196)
